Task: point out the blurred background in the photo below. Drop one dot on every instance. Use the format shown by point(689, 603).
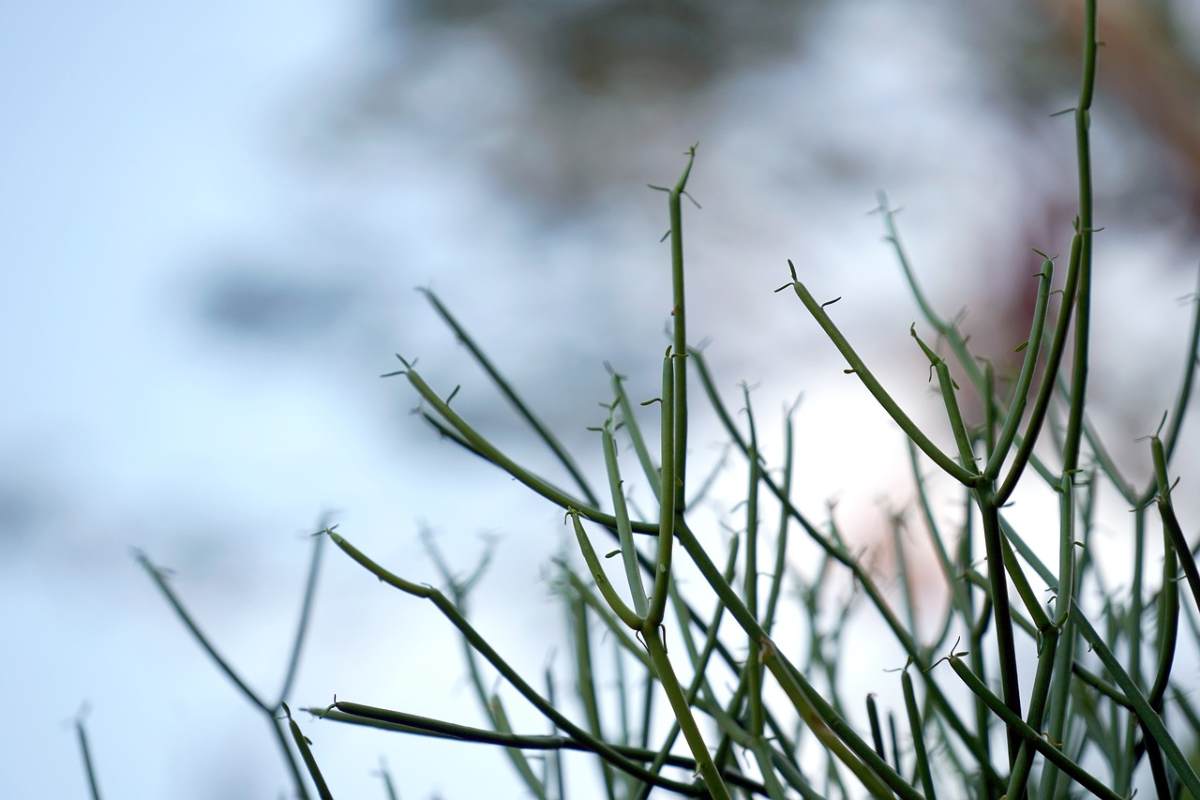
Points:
point(213, 219)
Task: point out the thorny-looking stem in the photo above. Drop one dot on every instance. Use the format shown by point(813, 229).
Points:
point(1135, 697)
point(459, 589)
point(669, 501)
point(774, 661)
point(1083, 155)
point(633, 572)
point(514, 678)
point(959, 472)
point(1002, 619)
point(1053, 754)
point(750, 590)
point(1033, 346)
point(838, 552)
point(403, 722)
point(310, 761)
point(699, 666)
point(543, 432)
point(679, 325)
point(745, 618)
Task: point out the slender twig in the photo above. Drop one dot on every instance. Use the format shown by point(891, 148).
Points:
point(85, 752)
point(781, 538)
point(518, 403)
point(1171, 523)
point(403, 722)
point(699, 663)
point(1083, 301)
point(585, 684)
point(1099, 644)
point(1053, 754)
point(305, 747)
point(452, 614)
point(838, 552)
point(389, 786)
point(918, 737)
point(1033, 345)
point(859, 368)
point(159, 576)
point(490, 703)
point(310, 590)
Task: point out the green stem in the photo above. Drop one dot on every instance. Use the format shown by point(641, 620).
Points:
point(452, 614)
point(781, 540)
point(1028, 734)
point(955, 470)
point(947, 386)
point(1019, 776)
point(629, 419)
point(837, 552)
point(679, 315)
point(750, 586)
point(876, 730)
point(1150, 719)
point(1003, 620)
point(624, 612)
point(699, 665)
point(310, 590)
point(85, 751)
point(586, 684)
point(815, 711)
point(490, 704)
point(683, 713)
point(478, 444)
point(402, 722)
point(158, 575)
point(670, 501)
point(918, 736)
point(629, 553)
point(1166, 510)
point(1033, 346)
point(310, 761)
point(289, 759)
point(544, 433)
point(1041, 403)
point(1083, 300)
point(1168, 625)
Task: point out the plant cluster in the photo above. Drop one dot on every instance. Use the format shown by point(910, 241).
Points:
point(1095, 718)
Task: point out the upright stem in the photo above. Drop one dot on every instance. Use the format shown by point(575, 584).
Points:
point(683, 713)
point(753, 658)
point(1009, 685)
point(667, 510)
point(1083, 299)
point(680, 330)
